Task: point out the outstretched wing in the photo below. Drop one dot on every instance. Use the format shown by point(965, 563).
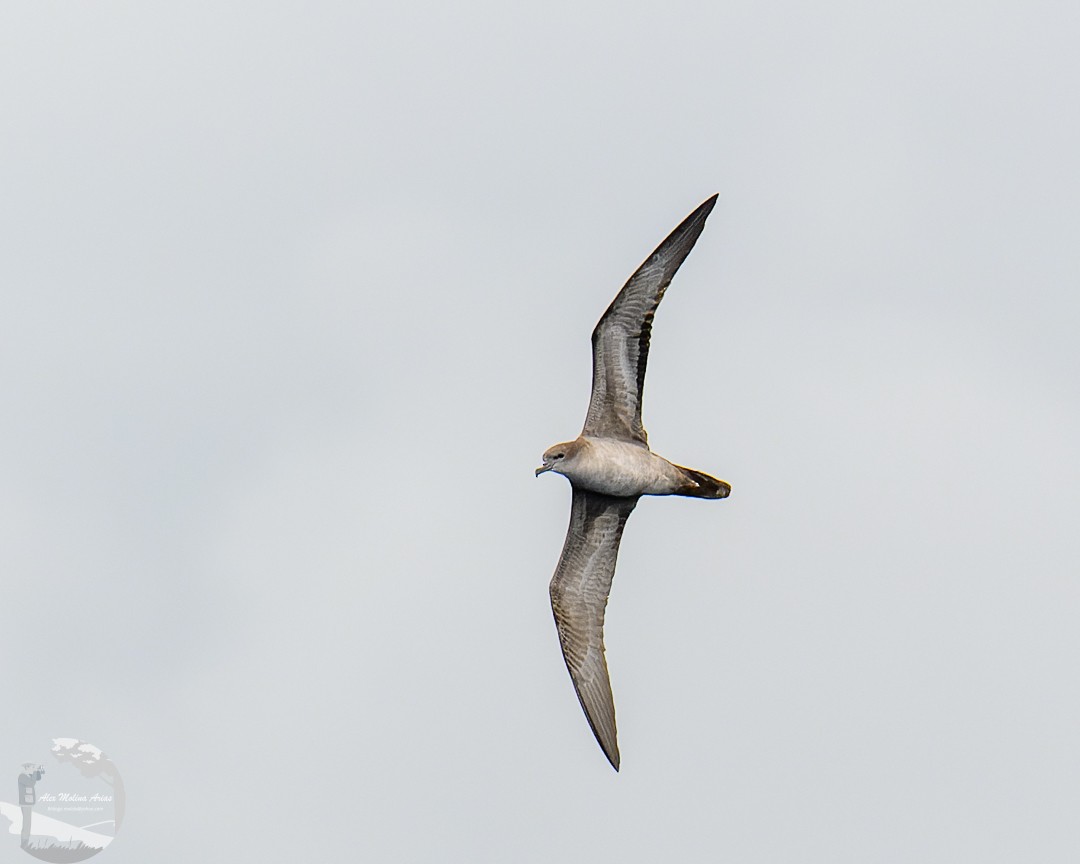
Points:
point(621, 338)
point(579, 594)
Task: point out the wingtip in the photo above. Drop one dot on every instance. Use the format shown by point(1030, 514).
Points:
point(612, 756)
point(693, 224)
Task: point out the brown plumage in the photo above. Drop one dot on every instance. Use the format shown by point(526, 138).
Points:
point(609, 467)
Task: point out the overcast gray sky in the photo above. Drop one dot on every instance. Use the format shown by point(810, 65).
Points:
point(293, 296)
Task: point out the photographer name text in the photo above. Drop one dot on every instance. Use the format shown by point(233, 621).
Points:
point(70, 796)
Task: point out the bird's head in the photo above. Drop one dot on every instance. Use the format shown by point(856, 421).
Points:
point(556, 458)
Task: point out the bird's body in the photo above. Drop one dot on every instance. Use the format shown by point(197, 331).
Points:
point(623, 469)
point(610, 466)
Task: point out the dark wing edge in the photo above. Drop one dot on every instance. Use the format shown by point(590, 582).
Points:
point(621, 337)
point(579, 594)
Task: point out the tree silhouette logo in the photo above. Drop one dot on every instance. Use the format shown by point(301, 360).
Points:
point(69, 806)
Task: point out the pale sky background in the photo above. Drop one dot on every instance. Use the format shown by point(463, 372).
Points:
point(294, 295)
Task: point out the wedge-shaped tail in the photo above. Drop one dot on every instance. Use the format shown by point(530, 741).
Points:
point(701, 485)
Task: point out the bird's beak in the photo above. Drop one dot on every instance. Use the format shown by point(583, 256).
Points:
point(542, 469)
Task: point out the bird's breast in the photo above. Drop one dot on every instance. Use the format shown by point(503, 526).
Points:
point(620, 468)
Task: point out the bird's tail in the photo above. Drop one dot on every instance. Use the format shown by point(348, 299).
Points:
point(700, 485)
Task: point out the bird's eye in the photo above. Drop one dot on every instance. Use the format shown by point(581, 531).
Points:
point(559, 455)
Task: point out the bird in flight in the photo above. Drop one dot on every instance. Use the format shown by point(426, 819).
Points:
point(610, 466)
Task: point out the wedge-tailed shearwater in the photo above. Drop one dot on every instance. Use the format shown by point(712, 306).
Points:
point(610, 466)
